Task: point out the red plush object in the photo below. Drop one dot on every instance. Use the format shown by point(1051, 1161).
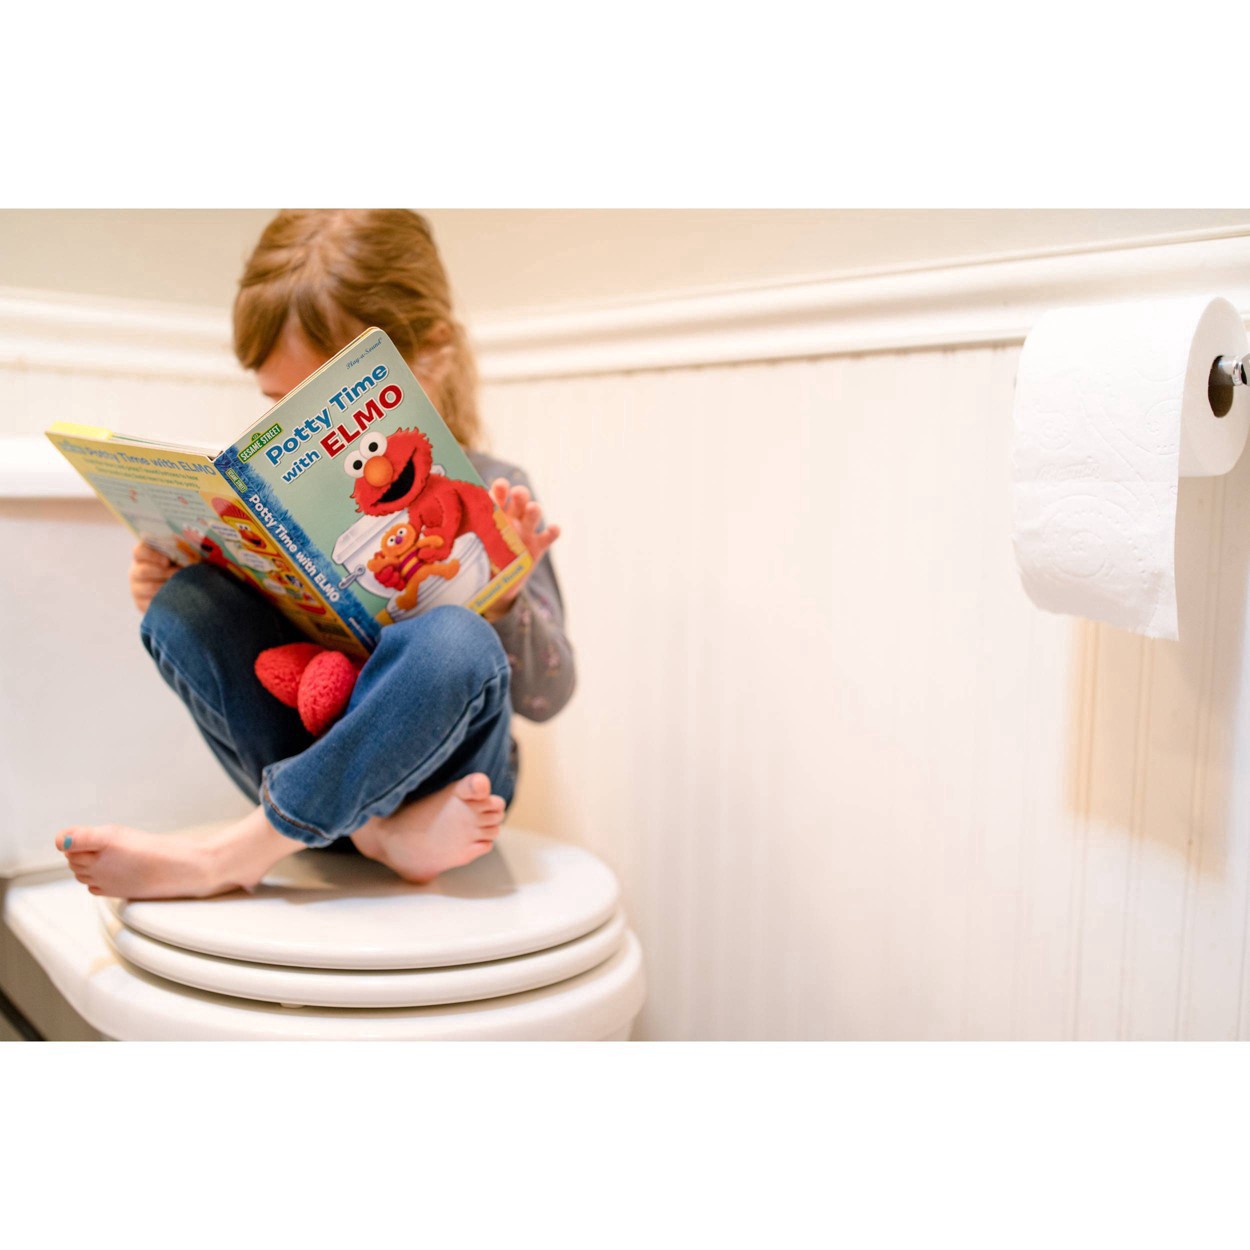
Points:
point(280, 668)
point(325, 690)
point(316, 681)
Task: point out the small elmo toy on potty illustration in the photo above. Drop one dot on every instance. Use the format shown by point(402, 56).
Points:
point(398, 563)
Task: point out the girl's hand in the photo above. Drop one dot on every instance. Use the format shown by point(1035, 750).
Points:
point(149, 571)
point(526, 516)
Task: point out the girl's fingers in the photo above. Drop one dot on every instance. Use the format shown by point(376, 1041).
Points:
point(525, 513)
point(537, 544)
point(543, 541)
point(144, 554)
point(517, 502)
point(509, 499)
point(529, 532)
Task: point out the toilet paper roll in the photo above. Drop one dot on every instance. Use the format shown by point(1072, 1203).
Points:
point(1111, 408)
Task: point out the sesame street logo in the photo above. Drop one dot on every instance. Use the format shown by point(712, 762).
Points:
point(258, 441)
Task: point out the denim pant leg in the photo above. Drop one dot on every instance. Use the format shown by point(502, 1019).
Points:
point(431, 705)
point(204, 629)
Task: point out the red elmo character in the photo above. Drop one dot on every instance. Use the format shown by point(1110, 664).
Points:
point(213, 553)
point(393, 473)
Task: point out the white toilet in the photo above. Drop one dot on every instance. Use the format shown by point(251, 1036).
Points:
point(526, 943)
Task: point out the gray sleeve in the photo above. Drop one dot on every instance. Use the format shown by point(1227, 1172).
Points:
point(533, 635)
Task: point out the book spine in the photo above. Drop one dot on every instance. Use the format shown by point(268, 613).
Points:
point(288, 534)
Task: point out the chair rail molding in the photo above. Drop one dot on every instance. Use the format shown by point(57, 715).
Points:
point(80, 334)
point(983, 302)
point(987, 302)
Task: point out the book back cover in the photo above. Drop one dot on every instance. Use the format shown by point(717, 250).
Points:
point(175, 500)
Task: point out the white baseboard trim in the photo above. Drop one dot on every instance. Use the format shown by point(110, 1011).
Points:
point(983, 303)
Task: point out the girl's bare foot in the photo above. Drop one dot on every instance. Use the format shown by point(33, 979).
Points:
point(444, 830)
point(128, 863)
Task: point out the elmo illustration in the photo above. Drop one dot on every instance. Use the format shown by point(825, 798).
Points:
point(199, 546)
point(233, 515)
point(256, 541)
point(393, 473)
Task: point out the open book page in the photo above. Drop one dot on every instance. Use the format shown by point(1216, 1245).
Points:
point(163, 495)
point(176, 501)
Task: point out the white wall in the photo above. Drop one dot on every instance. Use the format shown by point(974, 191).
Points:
point(89, 732)
point(503, 260)
point(855, 785)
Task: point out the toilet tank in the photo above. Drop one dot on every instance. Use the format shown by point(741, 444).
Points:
point(89, 732)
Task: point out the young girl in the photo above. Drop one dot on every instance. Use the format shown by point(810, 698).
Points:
point(419, 769)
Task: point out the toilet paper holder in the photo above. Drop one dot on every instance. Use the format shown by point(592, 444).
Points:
point(1226, 373)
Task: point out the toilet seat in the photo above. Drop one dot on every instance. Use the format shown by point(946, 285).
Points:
point(337, 911)
point(574, 972)
point(324, 987)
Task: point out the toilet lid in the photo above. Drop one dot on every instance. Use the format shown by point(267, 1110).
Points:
point(529, 894)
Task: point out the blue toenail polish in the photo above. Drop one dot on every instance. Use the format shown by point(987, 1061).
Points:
point(67, 842)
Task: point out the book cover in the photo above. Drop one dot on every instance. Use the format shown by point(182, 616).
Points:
point(359, 480)
point(349, 504)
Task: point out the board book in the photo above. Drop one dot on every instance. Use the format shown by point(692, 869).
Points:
point(349, 504)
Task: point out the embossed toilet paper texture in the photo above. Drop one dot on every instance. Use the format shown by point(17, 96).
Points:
point(1098, 412)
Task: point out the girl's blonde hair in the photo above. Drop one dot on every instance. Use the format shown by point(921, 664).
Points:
point(336, 271)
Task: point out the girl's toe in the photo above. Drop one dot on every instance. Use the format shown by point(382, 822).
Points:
point(474, 787)
point(83, 838)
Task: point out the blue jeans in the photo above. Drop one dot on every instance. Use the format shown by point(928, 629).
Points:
point(431, 705)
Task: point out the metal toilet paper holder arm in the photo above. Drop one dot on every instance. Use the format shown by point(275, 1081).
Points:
point(1226, 373)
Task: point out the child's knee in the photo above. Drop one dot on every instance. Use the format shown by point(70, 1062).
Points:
point(193, 608)
point(450, 642)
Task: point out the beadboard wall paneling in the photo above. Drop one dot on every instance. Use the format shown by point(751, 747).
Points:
point(855, 785)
